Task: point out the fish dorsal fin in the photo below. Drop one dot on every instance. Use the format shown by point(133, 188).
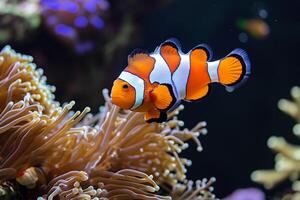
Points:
point(140, 63)
point(137, 55)
point(170, 51)
point(202, 52)
point(137, 51)
point(173, 43)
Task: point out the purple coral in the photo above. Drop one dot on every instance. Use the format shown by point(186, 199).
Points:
point(75, 22)
point(246, 194)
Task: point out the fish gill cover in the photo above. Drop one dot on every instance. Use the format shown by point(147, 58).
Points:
point(47, 151)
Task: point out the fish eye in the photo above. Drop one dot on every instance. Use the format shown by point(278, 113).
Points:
point(125, 86)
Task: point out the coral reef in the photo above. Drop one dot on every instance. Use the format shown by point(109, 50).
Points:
point(287, 160)
point(48, 151)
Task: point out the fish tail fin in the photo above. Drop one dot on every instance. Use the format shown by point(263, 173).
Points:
point(234, 69)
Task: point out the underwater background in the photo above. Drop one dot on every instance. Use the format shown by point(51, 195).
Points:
point(239, 123)
point(82, 60)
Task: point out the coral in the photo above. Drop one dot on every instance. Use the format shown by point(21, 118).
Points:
point(257, 28)
point(287, 160)
point(92, 54)
point(246, 193)
point(77, 23)
point(57, 153)
point(18, 19)
point(87, 25)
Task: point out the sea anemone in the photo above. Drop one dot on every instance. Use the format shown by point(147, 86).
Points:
point(54, 152)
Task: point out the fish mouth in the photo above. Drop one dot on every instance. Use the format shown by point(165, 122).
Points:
point(116, 97)
point(120, 102)
point(116, 100)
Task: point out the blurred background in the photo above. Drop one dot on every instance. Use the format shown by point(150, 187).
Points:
point(82, 45)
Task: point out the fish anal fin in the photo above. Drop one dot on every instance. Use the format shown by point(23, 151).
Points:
point(154, 115)
point(162, 97)
point(199, 94)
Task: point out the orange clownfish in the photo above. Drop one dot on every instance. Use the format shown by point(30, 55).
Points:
point(155, 83)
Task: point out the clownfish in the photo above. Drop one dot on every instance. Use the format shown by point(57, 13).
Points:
point(156, 83)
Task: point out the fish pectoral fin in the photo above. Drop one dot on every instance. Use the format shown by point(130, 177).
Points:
point(154, 115)
point(163, 97)
point(197, 95)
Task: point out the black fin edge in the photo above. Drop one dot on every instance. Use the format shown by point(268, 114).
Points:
point(205, 48)
point(162, 118)
point(171, 44)
point(174, 41)
point(240, 79)
point(138, 51)
point(173, 98)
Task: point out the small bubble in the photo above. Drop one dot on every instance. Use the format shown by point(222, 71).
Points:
point(243, 37)
point(263, 13)
point(229, 89)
